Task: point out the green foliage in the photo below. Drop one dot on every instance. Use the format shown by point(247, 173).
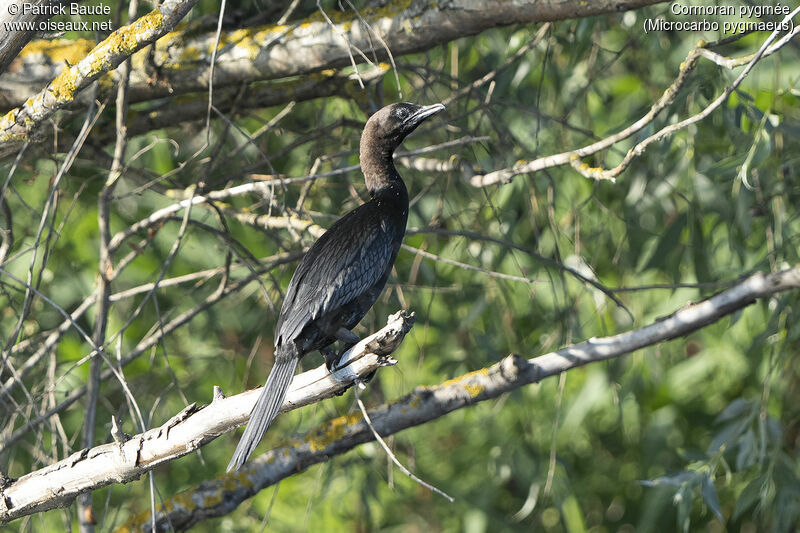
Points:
point(699, 433)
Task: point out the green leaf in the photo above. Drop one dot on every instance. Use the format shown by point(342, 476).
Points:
point(749, 496)
point(683, 500)
point(747, 453)
point(734, 409)
point(709, 494)
point(675, 480)
point(573, 518)
point(668, 244)
point(727, 435)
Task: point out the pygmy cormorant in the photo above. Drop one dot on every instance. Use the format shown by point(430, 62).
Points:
point(342, 274)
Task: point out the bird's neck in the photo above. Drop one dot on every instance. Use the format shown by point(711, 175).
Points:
point(392, 196)
point(384, 184)
point(378, 168)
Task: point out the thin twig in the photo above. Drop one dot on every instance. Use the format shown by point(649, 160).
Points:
point(389, 54)
point(489, 76)
point(214, 48)
point(145, 344)
point(573, 157)
point(341, 35)
point(639, 149)
point(388, 451)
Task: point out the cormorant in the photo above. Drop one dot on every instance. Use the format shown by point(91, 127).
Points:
point(342, 274)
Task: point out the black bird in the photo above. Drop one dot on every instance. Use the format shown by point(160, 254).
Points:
point(342, 274)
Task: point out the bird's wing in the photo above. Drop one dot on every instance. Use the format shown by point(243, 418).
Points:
point(349, 259)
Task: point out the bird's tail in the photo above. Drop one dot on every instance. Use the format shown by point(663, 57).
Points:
point(269, 402)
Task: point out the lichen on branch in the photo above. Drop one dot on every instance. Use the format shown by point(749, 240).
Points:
point(19, 125)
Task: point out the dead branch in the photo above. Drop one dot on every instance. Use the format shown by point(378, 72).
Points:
point(58, 484)
point(129, 457)
point(19, 125)
point(222, 495)
point(11, 42)
point(266, 52)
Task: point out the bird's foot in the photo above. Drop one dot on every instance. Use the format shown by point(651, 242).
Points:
point(336, 361)
point(347, 336)
point(331, 358)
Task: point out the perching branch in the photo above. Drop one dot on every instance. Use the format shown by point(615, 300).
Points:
point(145, 344)
point(222, 495)
point(124, 460)
point(58, 484)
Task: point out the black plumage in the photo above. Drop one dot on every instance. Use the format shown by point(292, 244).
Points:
point(344, 272)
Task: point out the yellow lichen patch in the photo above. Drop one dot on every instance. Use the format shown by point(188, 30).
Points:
point(252, 40)
point(230, 483)
point(331, 432)
point(59, 50)
point(138, 522)
point(8, 119)
point(149, 22)
point(184, 499)
point(238, 478)
point(6, 125)
point(126, 39)
point(472, 389)
point(63, 87)
point(460, 379)
point(210, 501)
point(7, 122)
point(189, 54)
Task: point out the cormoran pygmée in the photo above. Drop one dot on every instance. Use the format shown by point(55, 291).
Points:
point(342, 274)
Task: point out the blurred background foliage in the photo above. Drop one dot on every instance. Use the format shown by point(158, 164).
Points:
point(700, 433)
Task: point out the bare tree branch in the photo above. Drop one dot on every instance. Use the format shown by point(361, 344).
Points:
point(274, 51)
point(318, 85)
point(58, 484)
point(573, 157)
point(15, 12)
point(19, 125)
point(86, 470)
point(222, 495)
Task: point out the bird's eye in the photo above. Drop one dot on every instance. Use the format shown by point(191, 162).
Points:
point(402, 113)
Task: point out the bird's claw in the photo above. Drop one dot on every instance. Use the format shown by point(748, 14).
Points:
point(331, 358)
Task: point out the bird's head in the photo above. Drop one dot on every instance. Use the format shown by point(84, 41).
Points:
point(387, 128)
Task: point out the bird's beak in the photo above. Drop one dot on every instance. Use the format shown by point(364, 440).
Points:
point(423, 113)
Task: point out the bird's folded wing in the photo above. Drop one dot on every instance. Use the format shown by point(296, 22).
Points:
point(344, 263)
